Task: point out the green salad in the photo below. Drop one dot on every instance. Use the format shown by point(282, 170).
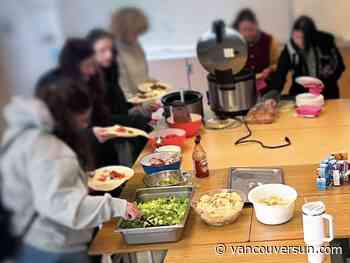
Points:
point(159, 212)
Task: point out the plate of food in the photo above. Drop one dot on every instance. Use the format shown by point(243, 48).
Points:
point(109, 178)
point(126, 132)
point(149, 91)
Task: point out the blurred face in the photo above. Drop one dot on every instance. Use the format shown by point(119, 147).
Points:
point(82, 120)
point(88, 67)
point(248, 30)
point(298, 38)
point(104, 52)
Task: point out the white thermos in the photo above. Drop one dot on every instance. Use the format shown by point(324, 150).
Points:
point(314, 217)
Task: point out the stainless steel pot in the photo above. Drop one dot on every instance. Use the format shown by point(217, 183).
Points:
point(193, 102)
point(223, 53)
point(236, 97)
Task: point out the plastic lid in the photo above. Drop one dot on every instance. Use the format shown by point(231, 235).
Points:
point(314, 208)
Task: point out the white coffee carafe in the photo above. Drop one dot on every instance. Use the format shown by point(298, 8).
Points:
point(314, 217)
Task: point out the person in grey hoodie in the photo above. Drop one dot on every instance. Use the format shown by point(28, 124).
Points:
point(42, 180)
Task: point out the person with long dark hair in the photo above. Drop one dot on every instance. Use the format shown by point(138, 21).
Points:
point(123, 113)
point(43, 182)
point(263, 48)
point(310, 52)
point(106, 60)
point(77, 61)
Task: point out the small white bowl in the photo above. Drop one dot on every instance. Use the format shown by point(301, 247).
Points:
point(169, 148)
point(274, 214)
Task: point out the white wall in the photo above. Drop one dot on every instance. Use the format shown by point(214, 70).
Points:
point(30, 35)
point(332, 16)
point(176, 23)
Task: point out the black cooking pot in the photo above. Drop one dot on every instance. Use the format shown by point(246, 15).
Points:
point(193, 102)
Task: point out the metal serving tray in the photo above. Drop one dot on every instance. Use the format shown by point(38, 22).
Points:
point(245, 179)
point(161, 234)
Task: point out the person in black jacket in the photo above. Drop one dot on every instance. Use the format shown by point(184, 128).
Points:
point(77, 61)
point(123, 112)
point(310, 52)
point(106, 58)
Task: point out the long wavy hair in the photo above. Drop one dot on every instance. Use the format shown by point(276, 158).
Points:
point(73, 53)
point(65, 98)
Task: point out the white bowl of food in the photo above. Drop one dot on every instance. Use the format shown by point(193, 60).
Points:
point(218, 207)
point(273, 203)
point(169, 148)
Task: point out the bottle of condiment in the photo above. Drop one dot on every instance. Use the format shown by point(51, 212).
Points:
point(199, 157)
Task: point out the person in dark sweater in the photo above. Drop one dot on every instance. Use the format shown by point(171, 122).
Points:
point(310, 52)
point(263, 49)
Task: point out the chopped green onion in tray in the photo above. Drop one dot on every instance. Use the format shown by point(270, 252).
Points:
point(159, 212)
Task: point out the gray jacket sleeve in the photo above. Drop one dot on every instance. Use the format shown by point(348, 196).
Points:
point(61, 195)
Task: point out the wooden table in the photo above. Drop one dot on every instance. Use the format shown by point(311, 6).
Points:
point(196, 232)
point(207, 253)
point(312, 140)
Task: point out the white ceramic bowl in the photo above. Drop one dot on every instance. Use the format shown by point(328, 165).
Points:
point(169, 148)
point(274, 214)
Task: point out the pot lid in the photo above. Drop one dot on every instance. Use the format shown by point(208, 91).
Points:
point(222, 49)
point(314, 208)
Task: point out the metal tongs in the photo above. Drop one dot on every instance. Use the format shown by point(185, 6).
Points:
point(145, 219)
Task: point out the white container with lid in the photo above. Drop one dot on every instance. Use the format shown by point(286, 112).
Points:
point(314, 217)
point(309, 99)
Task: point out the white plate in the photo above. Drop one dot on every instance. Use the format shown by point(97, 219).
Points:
point(110, 185)
point(152, 95)
point(305, 80)
point(130, 132)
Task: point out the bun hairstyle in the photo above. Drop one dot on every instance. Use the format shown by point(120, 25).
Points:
point(65, 98)
point(245, 14)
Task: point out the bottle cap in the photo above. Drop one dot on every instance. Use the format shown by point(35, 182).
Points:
point(198, 139)
point(314, 208)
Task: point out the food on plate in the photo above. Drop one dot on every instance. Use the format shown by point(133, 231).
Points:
point(274, 200)
point(124, 130)
point(110, 177)
point(164, 211)
point(167, 160)
point(219, 208)
point(157, 86)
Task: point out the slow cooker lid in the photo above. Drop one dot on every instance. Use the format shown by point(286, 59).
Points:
point(222, 49)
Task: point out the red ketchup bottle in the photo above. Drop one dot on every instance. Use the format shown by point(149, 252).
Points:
point(199, 158)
